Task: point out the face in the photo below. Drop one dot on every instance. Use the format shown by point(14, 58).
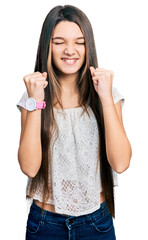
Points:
point(68, 48)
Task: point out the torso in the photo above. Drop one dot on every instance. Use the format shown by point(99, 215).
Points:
point(73, 103)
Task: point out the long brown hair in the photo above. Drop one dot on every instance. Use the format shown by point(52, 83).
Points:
point(87, 97)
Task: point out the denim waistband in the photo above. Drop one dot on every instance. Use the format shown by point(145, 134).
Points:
point(56, 218)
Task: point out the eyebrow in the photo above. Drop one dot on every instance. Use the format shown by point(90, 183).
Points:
point(63, 38)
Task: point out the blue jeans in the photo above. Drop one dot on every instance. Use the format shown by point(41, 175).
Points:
point(54, 226)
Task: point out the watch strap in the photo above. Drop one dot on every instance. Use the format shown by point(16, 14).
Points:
point(40, 105)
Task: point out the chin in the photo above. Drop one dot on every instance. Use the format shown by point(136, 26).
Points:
point(69, 71)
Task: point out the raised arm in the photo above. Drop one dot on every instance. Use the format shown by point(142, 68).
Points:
point(30, 152)
point(118, 147)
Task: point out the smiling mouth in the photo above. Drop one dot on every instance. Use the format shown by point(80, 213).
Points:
point(69, 61)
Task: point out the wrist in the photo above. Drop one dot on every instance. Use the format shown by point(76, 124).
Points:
point(37, 99)
point(107, 101)
point(31, 104)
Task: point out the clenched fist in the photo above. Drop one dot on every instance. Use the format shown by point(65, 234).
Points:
point(102, 80)
point(35, 84)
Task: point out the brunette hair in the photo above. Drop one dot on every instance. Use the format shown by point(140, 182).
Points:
point(87, 97)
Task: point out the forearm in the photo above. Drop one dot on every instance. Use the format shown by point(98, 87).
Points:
point(118, 148)
point(29, 153)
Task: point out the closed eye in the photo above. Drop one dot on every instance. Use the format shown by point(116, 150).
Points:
point(57, 43)
point(81, 43)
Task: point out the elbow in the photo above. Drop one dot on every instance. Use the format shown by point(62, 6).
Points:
point(125, 163)
point(27, 168)
point(28, 173)
point(123, 168)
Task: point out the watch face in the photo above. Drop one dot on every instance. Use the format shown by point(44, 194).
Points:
point(30, 104)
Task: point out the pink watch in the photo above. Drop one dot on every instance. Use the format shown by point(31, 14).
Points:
point(32, 105)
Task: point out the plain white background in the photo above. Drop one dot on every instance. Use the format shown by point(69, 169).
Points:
point(120, 30)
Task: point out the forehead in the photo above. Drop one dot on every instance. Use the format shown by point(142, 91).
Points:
point(67, 29)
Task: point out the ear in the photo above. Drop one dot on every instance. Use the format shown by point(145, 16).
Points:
point(92, 70)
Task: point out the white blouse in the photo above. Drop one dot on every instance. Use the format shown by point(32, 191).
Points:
point(75, 185)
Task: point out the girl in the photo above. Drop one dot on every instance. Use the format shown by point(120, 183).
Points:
point(73, 143)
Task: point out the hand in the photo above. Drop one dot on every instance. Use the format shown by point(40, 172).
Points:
point(35, 84)
point(102, 80)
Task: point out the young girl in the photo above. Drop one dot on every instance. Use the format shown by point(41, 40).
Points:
point(73, 143)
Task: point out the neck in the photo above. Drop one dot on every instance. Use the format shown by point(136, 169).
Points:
point(68, 84)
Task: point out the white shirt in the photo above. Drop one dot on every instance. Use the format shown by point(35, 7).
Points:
point(76, 186)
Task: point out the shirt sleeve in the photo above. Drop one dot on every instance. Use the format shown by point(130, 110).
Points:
point(117, 96)
point(22, 102)
point(115, 178)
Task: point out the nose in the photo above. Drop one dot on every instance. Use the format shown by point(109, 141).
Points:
point(69, 50)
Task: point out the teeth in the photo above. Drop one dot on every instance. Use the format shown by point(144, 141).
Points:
point(69, 60)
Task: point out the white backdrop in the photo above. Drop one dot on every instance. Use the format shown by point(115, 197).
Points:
point(120, 29)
